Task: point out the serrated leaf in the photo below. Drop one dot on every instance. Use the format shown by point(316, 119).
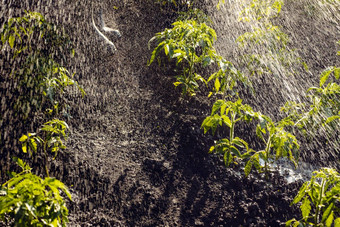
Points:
point(305, 208)
point(247, 168)
point(227, 157)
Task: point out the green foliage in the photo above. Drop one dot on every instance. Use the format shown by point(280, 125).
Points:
point(269, 34)
point(32, 201)
point(229, 113)
point(278, 144)
point(54, 132)
point(176, 3)
point(36, 45)
point(227, 78)
point(190, 43)
point(324, 106)
point(194, 14)
point(319, 199)
point(260, 10)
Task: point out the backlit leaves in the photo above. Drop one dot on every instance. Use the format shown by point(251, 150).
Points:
point(321, 197)
point(189, 43)
point(33, 201)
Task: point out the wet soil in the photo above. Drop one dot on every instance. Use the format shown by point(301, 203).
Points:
point(136, 154)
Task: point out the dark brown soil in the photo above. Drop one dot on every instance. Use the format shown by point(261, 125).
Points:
point(136, 155)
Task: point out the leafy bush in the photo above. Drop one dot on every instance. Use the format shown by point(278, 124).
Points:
point(324, 105)
point(227, 78)
point(194, 14)
point(189, 43)
point(51, 142)
point(32, 201)
point(278, 143)
point(36, 45)
point(176, 3)
point(260, 10)
point(36, 84)
point(229, 113)
point(320, 199)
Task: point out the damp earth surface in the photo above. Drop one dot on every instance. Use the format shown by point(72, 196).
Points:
point(136, 153)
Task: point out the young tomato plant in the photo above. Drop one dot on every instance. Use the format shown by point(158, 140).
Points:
point(227, 78)
point(54, 132)
point(229, 113)
point(320, 199)
point(32, 201)
point(35, 47)
point(190, 43)
point(278, 144)
point(324, 107)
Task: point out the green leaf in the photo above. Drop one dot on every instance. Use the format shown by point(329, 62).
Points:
point(240, 142)
point(177, 83)
point(217, 84)
point(337, 73)
point(23, 138)
point(324, 75)
point(24, 147)
point(207, 61)
point(226, 121)
point(327, 212)
point(332, 118)
point(235, 151)
point(305, 208)
point(166, 49)
point(11, 40)
point(217, 105)
point(337, 222)
point(330, 219)
point(247, 168)
point(301, 194)
point(227, 158)
point(289, 223)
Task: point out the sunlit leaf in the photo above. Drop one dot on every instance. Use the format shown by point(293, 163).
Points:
point(305, 208)
point(11, 40)
point(337, 222)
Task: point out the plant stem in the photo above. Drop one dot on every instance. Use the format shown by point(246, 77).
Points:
point(231, 133)
point(46, 160)
point(267, 151)
point(316, 218)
